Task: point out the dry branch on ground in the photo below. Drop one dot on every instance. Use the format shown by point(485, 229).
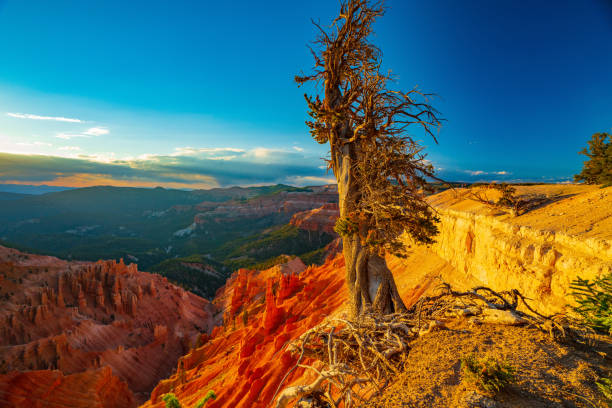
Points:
point(356, 360)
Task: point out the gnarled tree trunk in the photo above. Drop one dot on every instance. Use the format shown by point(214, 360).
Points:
point(377, 166)
point(370, 282)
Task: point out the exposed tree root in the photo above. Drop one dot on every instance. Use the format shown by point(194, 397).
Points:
point(356, 360)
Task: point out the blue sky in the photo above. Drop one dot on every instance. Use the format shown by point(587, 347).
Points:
point(201, 94)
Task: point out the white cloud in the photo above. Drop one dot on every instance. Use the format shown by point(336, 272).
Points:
point(310, 180)
point(38, 117)
point(38, 144)
point(481, 173)
point(261, 152)
point(96, 131)
point(299, 149)
point(72, 148)
point(67, 136)
point(211, 152)
point(226, 158)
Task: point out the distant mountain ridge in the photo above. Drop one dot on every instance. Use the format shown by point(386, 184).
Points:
point(12, 196)
point(31, 189)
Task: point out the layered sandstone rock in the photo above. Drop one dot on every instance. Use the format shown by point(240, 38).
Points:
point(287, 203)
point(76, 316)
point(538, 253)
point(320, 219)
point(95, 388)
point(246, 357)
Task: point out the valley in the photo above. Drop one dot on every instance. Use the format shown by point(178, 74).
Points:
point(169, 232)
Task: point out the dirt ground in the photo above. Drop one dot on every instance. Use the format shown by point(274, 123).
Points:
point(548, 373)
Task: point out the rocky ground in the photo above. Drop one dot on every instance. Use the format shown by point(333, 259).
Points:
point(549, 373)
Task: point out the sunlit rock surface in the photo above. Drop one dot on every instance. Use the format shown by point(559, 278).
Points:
point(75, 317)
point(539, 252)
point(320, 219)
point(284, 202)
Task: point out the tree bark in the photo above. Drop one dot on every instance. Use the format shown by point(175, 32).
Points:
point(369, 280)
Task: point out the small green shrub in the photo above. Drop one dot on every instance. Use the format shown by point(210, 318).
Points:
point(594, 302)
point(171, 401)
point(488, 374)
point(210, 395)
point(605, 386)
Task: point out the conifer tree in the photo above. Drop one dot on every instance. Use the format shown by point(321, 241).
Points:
point(381, 171)
point(598, 169)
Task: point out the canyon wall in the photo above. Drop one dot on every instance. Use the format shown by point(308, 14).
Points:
point(319, 219)
point(283, 203)
point(503, 256)
point(77, 317)
point(538, 253)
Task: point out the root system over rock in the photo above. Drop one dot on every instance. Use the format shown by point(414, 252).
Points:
point(356, 360)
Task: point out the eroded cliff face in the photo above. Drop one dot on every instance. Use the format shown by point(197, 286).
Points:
point(319, 219)
point(95, 388)
point(538, 253)
point(283, 203)
point(75, 316)
point(246, 357)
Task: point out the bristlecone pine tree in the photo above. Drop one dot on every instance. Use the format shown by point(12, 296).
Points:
point(598, 169)
point(381, 171)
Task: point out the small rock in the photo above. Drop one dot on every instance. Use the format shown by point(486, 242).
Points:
point(497, 316)
point(434, 324)
point(475, 400)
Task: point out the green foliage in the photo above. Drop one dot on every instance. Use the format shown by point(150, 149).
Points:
point(210, 395)
point(487, 374)
point(263, 249)
point(279, 188)
point(195, 273)
point(345, 227)
point(316, 257)
point(594, 302)
point(598, 169)
point(605, 386)
point(171, 401)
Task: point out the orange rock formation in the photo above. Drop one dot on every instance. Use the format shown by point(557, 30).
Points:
point(284, 202)
point(75, 316)
point(245, 359)
point(320, 219)
point(46, 388)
